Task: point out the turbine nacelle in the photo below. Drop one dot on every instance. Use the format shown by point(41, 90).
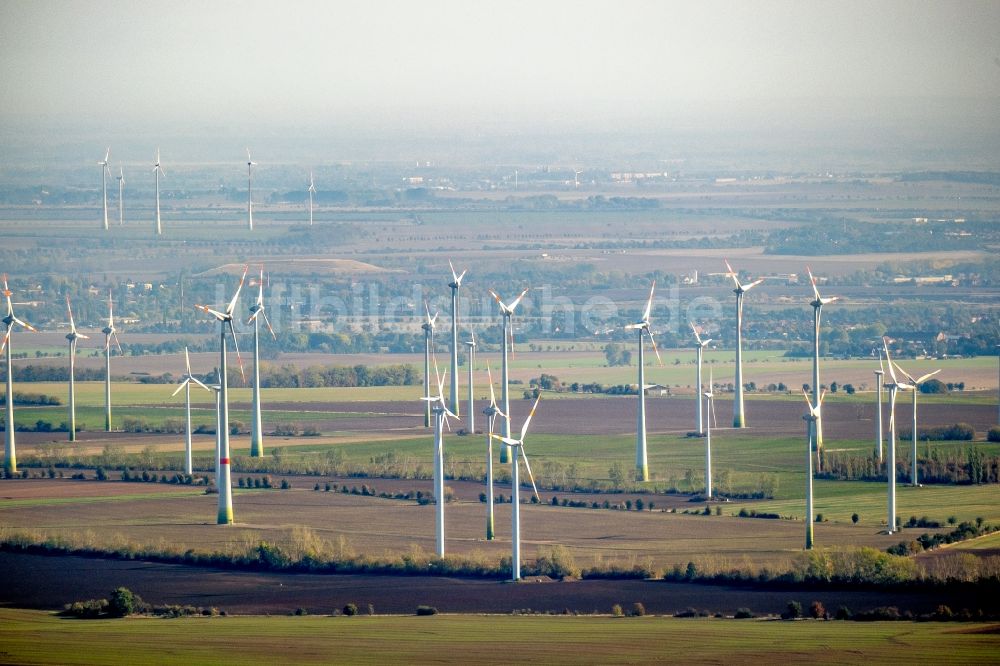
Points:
point(519, 443)
point(456, 279)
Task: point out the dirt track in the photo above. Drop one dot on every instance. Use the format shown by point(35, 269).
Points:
point(48, 582)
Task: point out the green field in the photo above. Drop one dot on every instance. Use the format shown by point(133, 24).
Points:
point(32, 637)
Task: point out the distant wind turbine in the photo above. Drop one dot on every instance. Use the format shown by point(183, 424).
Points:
point(517, 446)
point(455, 285)
point(312, 191)
point(121, 196)
point(224, 478)
point(915, 384)
point(739, 421)
point(109, 333)
point(157, 172)
point(507, 314)
point(491, 412)
point(250, 166)
point(72, 337)
point(817, 424)
point(642, 326)
point(441, 414)
point(428, 327)
point(471, 344)
point(10, 455)
point(894, 387)
point(186, 385)
point(879, 436)
point(256, 311)
point(709, 397)
point(105, 172)
point(810, 418)
point(700, 350)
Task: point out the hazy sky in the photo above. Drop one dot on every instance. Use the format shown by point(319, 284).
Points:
point(445, 64)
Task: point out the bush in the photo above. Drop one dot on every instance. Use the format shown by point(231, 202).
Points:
point(616, 611)
point(285, 485)
point(124, 602)
point(994, 434)
point(352, 609)
point(426, 610)
point(301, 611)
point(843, 613)
point(793, 611)
point(817, 611)
point(638, 610)
point(855, 518)
point(743, 614)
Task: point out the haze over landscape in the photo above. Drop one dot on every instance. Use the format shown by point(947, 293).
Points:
point(260, 261)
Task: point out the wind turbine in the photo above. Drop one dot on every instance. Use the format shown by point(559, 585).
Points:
point(428, 327)
point(506, 312)
point(105, 171)
point(223, 480)
point(576, 178)
point(312, 191)
point(915, 384)
point(158, 171)
point(250, 166)
point(109, 332)
point(10, 456)
point(186, 385)
point(811, 418)
point(441, 414)
point(700, 349)
point(256, 434)
point(72, 336)
point(121, 196)
point(880, 437)
point(642, 326)
point(817, 305)
point(738, 418)
point(491, 412)
point(471, 344)
point(890, 467)
point(517, 445)
point(709, 396)
point(455, 285)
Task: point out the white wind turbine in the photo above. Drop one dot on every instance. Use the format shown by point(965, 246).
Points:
point(739, 421)
point(250, 165)
point(710, 412)
point(256, 433)
point(517, 445)
point(109, 333)
point(700, 349)
point(186, 385)
point(105, 171)
point(811, 417)
point(72, 337)
point(817, 305)
point(10, 456)
point(890, 467)
point(441, 414)
point(471, 344)
point(879, 436)
point(157, 172)
point(915, 388)
point(576, 178)
point(224, 479)
point(507, 333)
point(121, 196)
point(455, 285)
point(642, 326)
point(491, 412)
point(312, 191)
point(428, 327)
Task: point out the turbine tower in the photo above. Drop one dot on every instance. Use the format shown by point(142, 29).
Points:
point(642, 326)
point(428, 327)
point(817, 424)
point(491, 412)
point(105, 172)
point(441, 414)
point(455, 285)
point(709, 397)
point(811, 417)
point(250, 166)
point(915, 384)
point(186, 385)
point(121, 196)
point(879, 437)
point(256, 433)
point(312, 191)
point(700, 350)
point(72, 336)
point(109, 332)
point(471, 344)
point(158, 171)
point(739, 421)
point(517, 445)
point(506, 313)
point(223, 479)
point(890, 468)
point(10, 456)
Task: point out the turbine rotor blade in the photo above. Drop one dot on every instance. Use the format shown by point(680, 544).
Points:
point(6, 337)
point(524, 428)
point(268, 322)
point(926, 377)
point(527, 467)
point(239, 358)
point(649, 303)
point(180, 386)
point(215, 313)
point(518, 299)
point(812, 281)
point(653, 342)
point(232, 303)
